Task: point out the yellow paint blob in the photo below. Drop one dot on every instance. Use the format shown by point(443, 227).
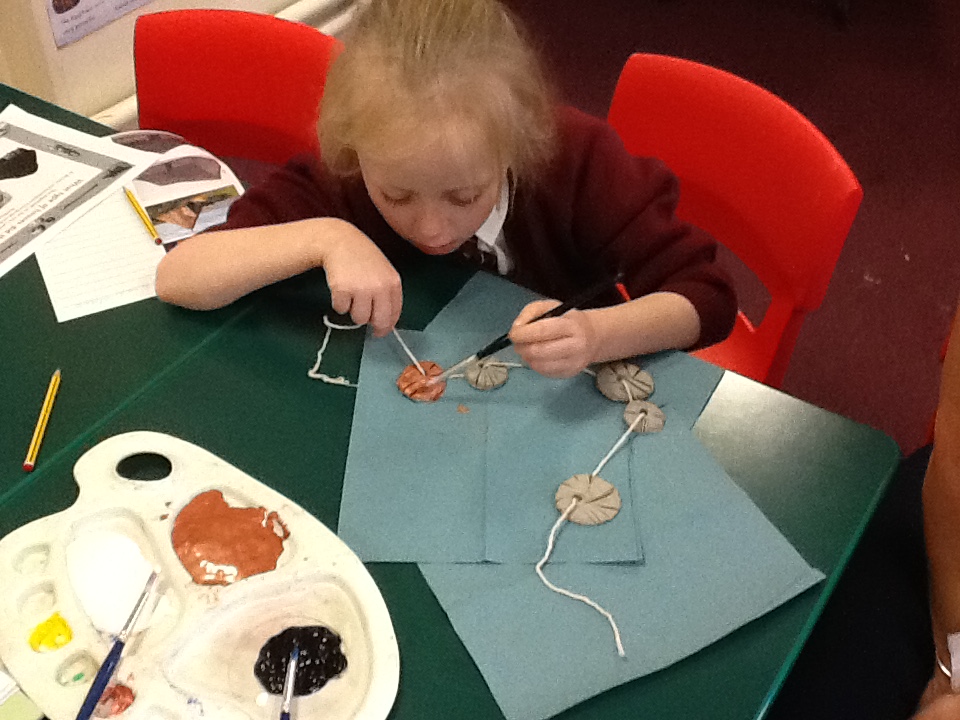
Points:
point(52, 634)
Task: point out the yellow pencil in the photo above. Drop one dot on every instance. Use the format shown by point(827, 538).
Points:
point(31, 460)
point(143, 215)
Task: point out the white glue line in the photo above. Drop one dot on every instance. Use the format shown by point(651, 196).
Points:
point(314, 372)
point(329, 324)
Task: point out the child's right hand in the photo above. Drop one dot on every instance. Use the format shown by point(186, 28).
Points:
point(214, 269)
point(362, 281)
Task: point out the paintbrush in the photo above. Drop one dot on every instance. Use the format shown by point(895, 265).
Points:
point(105, 673)
point(504, 340)
point(288, 684)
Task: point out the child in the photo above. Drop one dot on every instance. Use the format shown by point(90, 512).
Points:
point(435, 127)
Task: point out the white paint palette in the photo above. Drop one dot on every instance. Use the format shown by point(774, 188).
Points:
point(197, 657)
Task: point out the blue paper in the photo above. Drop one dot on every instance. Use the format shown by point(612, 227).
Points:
point(414, 483)
point(489, 305)
point(470, 497)
point(541, 432)
point(682, 385)
point(713, 563)
point(426, 482)
point(489, 302)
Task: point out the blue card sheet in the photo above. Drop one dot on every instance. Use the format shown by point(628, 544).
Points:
point(465, 487)
point(712, 564)
point(472, 477)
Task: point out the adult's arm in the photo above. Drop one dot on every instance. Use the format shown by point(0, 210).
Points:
point(941, 507)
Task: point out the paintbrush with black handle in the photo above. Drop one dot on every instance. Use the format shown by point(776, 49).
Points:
point(503, 341)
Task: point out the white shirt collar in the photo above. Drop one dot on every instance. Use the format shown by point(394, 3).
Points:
point(490, 235)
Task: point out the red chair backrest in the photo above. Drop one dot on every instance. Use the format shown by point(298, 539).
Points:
point(754, 172)
point(236, 83)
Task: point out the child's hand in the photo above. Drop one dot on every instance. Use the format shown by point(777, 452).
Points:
point(555, 347)
point(362, 281)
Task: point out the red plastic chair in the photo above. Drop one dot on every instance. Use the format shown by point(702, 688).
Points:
point(756, 174)
point(238, 84)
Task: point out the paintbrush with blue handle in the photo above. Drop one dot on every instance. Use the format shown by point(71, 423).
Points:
point(288, 684)
point(109, 665)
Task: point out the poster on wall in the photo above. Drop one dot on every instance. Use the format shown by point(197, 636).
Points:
point(71, 20)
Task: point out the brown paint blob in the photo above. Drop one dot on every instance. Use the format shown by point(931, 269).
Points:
point(413, 383)
point(115, 700)
point(219, 544)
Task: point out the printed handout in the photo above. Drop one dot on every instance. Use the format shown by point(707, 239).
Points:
point(107, 258)
point(49, 176)
point(185, 191)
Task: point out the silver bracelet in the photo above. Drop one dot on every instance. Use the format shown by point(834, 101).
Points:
point(943, 668)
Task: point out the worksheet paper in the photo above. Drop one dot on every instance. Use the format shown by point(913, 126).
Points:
point(49, 176)
point(186, 191)
point(469, 497)
point(107, 258)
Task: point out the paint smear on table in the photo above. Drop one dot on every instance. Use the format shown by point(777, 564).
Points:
point(219, 544)
point(52, 634)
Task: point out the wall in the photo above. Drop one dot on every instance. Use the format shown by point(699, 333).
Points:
point(94, 76)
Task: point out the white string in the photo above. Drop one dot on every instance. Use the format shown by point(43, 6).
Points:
point(408, 352)
point(314, 372)
point(567, 593)
point(329, 324)
point(626, 386)
point(619, 444)
point(489, 363)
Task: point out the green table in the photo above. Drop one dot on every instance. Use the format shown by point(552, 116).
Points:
point(234, 382)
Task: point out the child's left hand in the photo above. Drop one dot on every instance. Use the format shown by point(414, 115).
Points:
point(555, 347)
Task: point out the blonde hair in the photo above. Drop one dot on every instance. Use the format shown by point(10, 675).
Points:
point(418, 70)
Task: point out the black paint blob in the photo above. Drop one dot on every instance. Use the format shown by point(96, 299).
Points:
point(321, 659)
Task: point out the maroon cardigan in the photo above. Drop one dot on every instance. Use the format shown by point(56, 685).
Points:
point(595, 209)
